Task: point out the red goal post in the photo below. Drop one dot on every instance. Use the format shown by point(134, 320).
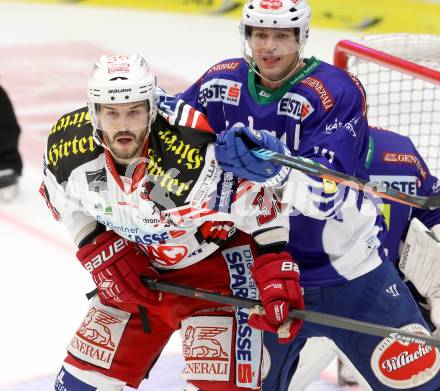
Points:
point(401, 75)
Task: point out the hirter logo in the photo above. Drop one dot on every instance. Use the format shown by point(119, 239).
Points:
point(402, 365)
point(271, 4)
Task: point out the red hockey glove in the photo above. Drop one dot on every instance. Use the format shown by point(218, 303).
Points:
point(277, 279)
point(116, 267)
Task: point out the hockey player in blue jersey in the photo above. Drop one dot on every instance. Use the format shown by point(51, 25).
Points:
point(393, 161)
point(336, 235)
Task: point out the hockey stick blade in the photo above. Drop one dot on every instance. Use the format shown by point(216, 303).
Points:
point(309, 316)
point(308, 166)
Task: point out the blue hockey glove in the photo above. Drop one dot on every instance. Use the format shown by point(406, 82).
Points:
point(233, 153)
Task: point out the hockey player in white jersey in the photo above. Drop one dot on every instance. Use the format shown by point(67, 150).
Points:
point(141, 193)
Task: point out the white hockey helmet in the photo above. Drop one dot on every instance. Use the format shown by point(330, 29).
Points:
point(275, 14)
point(278, 14)
point(121, 79)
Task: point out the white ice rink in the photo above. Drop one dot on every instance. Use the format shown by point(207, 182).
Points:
point(46, 53)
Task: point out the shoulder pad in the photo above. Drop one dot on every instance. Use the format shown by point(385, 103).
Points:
point(70, 144)
point(176, 157)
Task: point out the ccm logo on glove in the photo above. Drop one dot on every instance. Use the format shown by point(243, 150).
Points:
point(106, 254)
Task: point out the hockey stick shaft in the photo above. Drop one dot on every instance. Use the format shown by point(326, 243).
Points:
point(309, 316)
point(309, 167)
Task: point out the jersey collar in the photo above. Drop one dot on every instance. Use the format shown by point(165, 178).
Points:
point(263, 95)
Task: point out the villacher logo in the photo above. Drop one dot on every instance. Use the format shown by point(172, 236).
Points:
point(405, 363)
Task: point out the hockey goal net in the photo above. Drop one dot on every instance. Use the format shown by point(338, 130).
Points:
point(401, 75)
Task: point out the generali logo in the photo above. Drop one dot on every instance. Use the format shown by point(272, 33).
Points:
point(96, 328)
point(405, 158)
point(271, 4)
point(203, 342)
point(403, 365)
point(207, 343)
point(97, 339)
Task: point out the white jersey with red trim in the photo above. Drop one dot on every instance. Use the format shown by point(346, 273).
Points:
point(175, 201)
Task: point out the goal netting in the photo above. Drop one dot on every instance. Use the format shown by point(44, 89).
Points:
point(401, 75)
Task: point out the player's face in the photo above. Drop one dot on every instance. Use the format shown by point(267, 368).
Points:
point(275, 51)
point(124, 129)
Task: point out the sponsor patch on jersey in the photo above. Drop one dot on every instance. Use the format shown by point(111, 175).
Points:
point(248, 340)
point(167, 255)
point(226, 190)
point(318, 86)
point(436, 187)
point(295, 106)
point(332, 127)
point(405, 158)
point(405, 183)
point(220, 90)
point(99, 335)
point(207, 345)
point(97, 180)
point(175, 160)
point(123, 230)
point(225, 66)
point(210, 174)
point(62, 143)
point(65, 381)
point(403, 365)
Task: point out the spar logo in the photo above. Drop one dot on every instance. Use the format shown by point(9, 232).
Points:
point(403, 365)
point(295, 106)
point(220, 90)
point(248, 341)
